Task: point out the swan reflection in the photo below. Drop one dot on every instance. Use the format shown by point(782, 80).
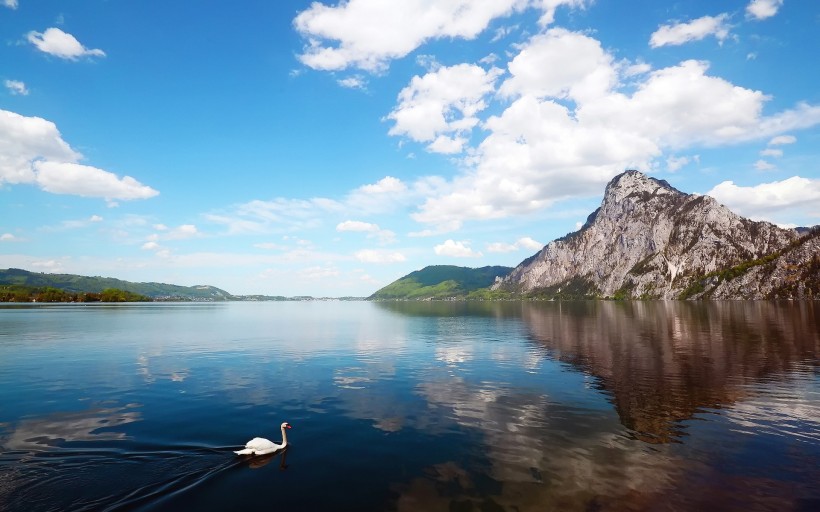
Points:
point(261, 461)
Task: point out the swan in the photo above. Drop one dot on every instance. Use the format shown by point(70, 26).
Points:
point(262, 446)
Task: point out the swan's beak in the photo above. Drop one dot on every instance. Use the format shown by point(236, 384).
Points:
point(288, 426)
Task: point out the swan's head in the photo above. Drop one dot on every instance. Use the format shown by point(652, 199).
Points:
point(286, 425)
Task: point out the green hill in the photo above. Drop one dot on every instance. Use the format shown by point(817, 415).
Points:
point(79, 284)
point(440, 282)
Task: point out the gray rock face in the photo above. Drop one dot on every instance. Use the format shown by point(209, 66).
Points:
point(649, 240)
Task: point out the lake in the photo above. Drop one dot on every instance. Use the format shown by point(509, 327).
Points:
point(411, 406)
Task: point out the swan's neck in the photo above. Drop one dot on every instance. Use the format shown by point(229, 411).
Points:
point(284, 436)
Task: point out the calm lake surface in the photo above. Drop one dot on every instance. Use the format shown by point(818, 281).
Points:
point(411, 406)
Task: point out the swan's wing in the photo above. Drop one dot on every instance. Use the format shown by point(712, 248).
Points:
point(259, 444)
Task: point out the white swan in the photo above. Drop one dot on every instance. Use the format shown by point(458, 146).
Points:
point(261, 446)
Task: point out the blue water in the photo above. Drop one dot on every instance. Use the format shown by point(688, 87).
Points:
point(411, 406)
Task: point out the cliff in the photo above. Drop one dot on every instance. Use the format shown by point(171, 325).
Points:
point(650, 240)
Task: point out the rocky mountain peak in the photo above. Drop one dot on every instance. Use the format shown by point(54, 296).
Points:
point(647, 239)
point(635, 183)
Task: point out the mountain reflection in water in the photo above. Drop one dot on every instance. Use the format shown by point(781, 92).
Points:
point(663, 361)
point(664, 366)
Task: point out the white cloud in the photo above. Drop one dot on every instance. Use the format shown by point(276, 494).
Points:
point(441, 106)
point(548, 8)
point(25, 140)
point(762, 9)
point(32, 151)
point(528, 243)
point(7, 237)
point(522, 243)
point(782, 139)
point(150, 246)
point(456, 250)
point(560, 64)
point(566, 134)
point(16, 87)
point(368, 34)
point(383, 196)
point(11, 4)
point(353, 82)
point(763, 165)
point(87, 181)
point(772, 152)
point(60, 44)
point(768, 197)
point(695, 30)
point(372, 230)
point(95, 218)
point(378, 256)
point(674, 163)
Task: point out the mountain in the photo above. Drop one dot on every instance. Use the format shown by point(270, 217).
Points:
point(440, 282)
point(650, 240)
point(76, 284)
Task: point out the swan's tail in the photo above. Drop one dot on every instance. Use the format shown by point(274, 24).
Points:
point(246, 451)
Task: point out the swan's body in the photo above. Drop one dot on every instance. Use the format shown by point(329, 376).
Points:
point(262, 446)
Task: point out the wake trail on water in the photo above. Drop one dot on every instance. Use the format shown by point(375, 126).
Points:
point(108, 480)
point(178, 484)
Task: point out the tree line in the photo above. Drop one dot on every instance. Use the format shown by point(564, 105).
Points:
point(18, 293)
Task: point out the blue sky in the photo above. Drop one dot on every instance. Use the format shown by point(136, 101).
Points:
point(329, 148)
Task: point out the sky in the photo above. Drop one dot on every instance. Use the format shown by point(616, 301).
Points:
point(329, 148)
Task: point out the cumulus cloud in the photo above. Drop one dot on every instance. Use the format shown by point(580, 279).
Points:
point(8, 237)
point(560, 64)
point(337, 40)
point(522, 243)
point(572, 124)
point(11, 4)
point(61, 44)
point(16, 87)
point(379, 256)
point(456, 249)
point(87, 181)
point(32, 151)
point(768, 197)
point(695, 30)
point(762, 9)
point(440, 107)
